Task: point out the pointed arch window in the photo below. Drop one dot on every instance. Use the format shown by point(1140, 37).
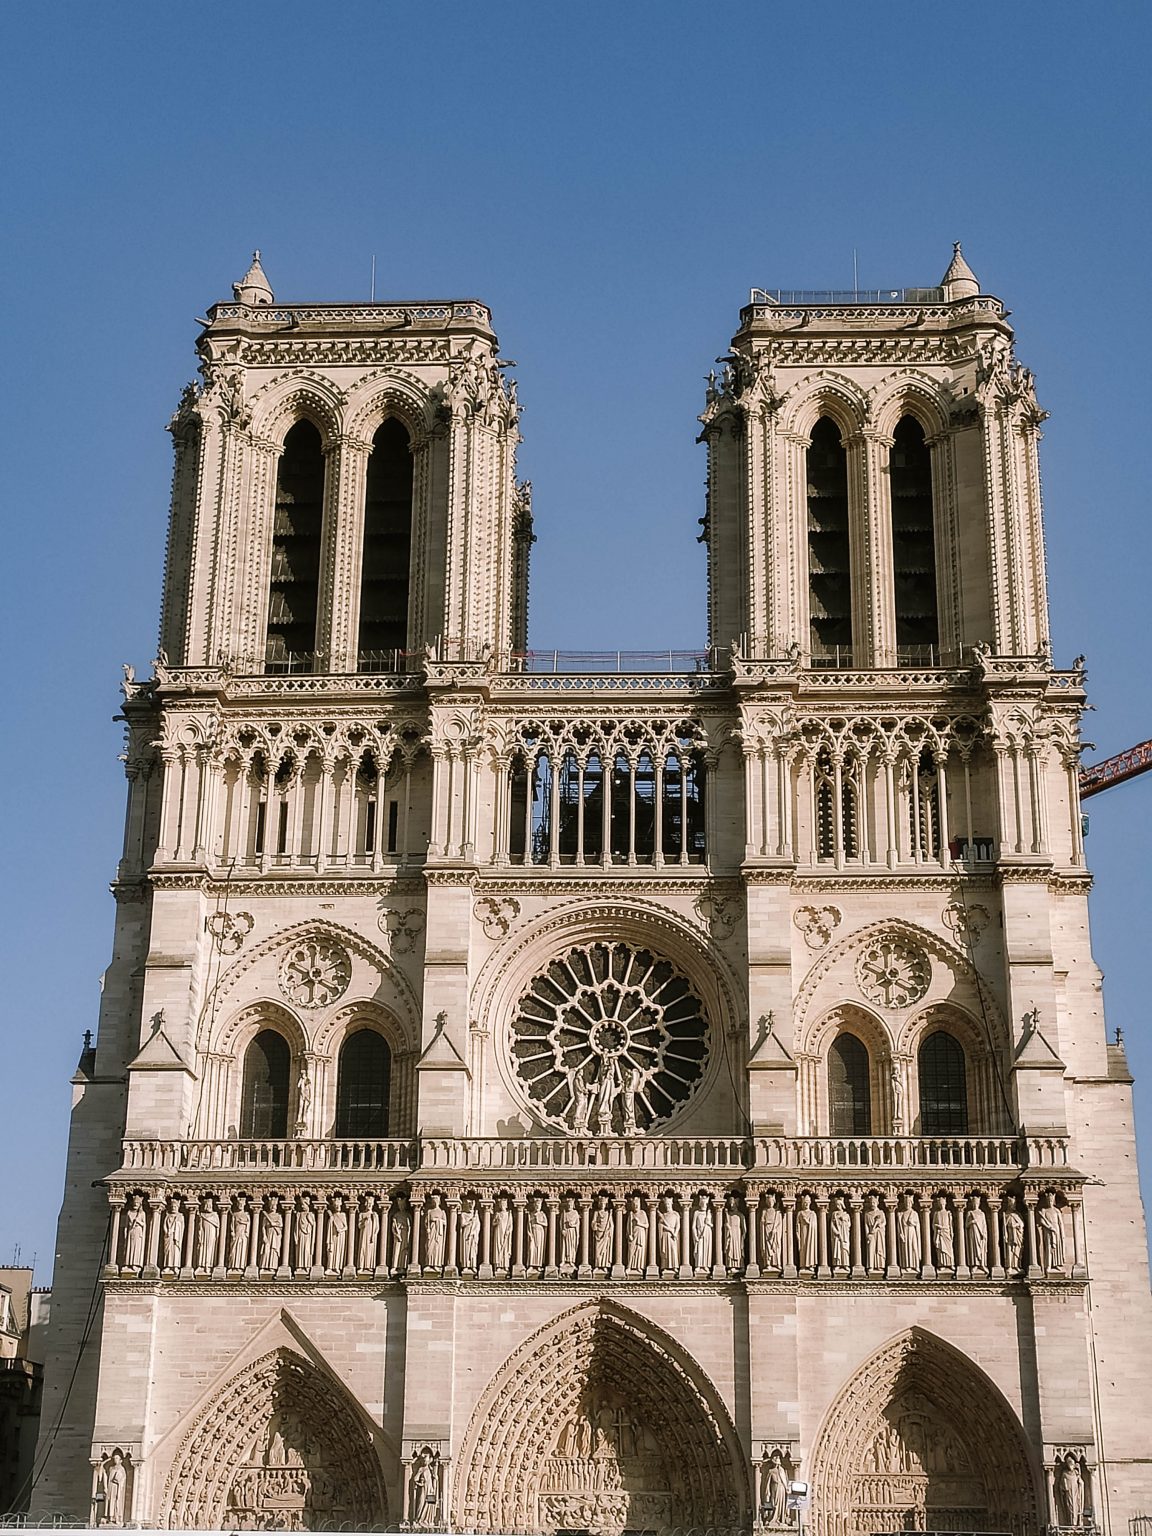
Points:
point(924, 806)
point(829, 569)
point(264, 1095)
point(849, 1087)
point(943, 1079)
point(363, 1080)
point(384, 575)
point(837, 836)
point(913, 546)
point(294, 584)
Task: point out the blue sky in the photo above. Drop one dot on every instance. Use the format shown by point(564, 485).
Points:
point(611, 179)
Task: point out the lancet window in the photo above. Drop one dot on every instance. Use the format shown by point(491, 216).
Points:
point(849, 1087)
point(362, 1085)
point(913, 545)
point(829, 562)
point(628, 794)
point(924, 806)
point(837, 800)
point(296, 537)
point(384, 580)
point(943, 1084)
point(265, 1088)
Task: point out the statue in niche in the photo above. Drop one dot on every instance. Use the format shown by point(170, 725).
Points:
point(502, 1234)
point(626, 1098)
point(424, 1489)
point(303, 1098)
point(113, 1483)
point(367, 1236)
point(771, 1234)
point(535, 1232)
point(1050, 1231)
point(1013, 1224)
point(271, 1235)
point(733, 1232)
point(897, 1081)
point(839, 1235)
point(667, 1234)
point(774, 1508)
point(875, 1236)
point(305, 1234)
point(135, 1233)
point(435, 1233)
point(401, 1225)
point(636, 1234)
point(239, 1233)
point(943, 1242)
point(581, 1097)
point(807, 1247)
point(469, 1229)
point(1068, 1487)
point(975, 1233)
point(908, 1234)
point(601, 1225)
point(569, 1232)
point(336, 1255)
point(207, 1234)
point(701, 1233)
point(173, 1234)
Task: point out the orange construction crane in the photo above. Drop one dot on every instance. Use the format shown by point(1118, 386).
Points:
point(1114, 770)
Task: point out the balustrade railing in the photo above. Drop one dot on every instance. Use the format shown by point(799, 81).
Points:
point(288, 1156)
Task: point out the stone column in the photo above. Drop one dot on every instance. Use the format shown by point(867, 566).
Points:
point(618, 1270)
point(719, 1272)
point(485, 1270)
point(892, 1269)
point(857, 1206)
point(453, 1207)
point(518, 1207)
point(995, 1268)
point(151, 1270)
point(788, 1201)
point(924, 1205)
point(822, 1236)
point(112, 1267)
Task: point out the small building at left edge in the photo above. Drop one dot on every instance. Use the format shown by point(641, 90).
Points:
point(24, 1312)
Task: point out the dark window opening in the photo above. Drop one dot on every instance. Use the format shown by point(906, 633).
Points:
point(393, 824)
point(943, 1086)
point(362, 1086)
point(297, 520)
point(261, 819)
point(264, 1097)
point(913, 545)
point(829, 568)
point(849, 1088)
point(384, 574)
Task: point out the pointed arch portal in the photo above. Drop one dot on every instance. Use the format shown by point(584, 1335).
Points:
point(599, 1423)
point(280, 1447)
point(921, 1440)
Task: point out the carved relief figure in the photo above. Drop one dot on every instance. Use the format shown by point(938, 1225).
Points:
point(975, 1233)
point(1069, 1490)
point(536, 1233)
point(271, 1235)
point(636, 1234)
point(367, 1236)
point(733, 1232)
point(401, 1224)
point(469, 1234)
point(336, 1256)
point(239, 1232)
point(875, 1237)
point(502, 1234)
point(435, 1233)
point(667, 1234)
point(135, 1232)
point(908, 1234)
point(806, 1233)
point(701, 1233)
point(839, 1235)
point(114, 1486)
point(943, 1241)
point(173, 1235)
point(1050, 1231)
point(601, 1226)
point(1013, 1224)
point(771, 1234)
point(305, 1234)
point(207, 1235)
point(569, 1232)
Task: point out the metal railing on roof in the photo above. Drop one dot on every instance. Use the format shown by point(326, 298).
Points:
point(617, 661)
point(847, 296)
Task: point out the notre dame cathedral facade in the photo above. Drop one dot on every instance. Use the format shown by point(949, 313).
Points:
point(550, 1095)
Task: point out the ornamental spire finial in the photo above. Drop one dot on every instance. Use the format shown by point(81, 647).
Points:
point(959, 282)
point(253, 286)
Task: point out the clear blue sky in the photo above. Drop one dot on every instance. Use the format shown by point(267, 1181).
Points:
point(611, 178)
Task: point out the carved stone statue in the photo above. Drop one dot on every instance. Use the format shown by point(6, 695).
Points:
point(626, 1098)
point(1068, 1487)
point(581, 1098)
point(774, 1509)
point(701, 1233)
point(975, 1233)
point(569, 1232)
point(435, 1233)
point(1050, 1232)
point(908, 1234)
point(424, 1489)
point(636, 1234)
point(601, 1228)
point(875, 1236)
point(271, 1235)
point(305, 1234)
point(401, 1225)
point(1013, 1224)
point(502, 1234)
point(303, 1098)
point(733, 1232)
point(114, 1486)
point(469, 1240)
point(336, 1245)
point(943, 1241)
point(771, 1234)
point(239, 1232)
point(207, 1234)
point(173, 1233)
point(807, 1245)
point(839, 1235)
point(535, 1233)
point(135, 1233)
point(604, 1090)
point(667, 1234)
point(367, 1236)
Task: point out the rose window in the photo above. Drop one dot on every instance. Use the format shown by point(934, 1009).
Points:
point(314, 973)
point(609, 1040)
point(893, 972)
